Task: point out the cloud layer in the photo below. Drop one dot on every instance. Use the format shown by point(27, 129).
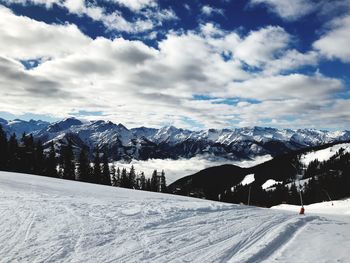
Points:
point(207, 77)
point(176, 169)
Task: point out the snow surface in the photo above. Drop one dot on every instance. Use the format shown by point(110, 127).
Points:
point(50, 220)
point(328, 235)
point(270, 183)
point(325, 154)
point(337, 207)
point(248, 179)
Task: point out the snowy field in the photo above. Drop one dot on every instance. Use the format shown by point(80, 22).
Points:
point(51, 220)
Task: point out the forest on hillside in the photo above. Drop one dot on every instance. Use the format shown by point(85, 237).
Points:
point(25, 155)
point(321, 181)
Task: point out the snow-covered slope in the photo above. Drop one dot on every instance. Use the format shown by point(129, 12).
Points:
point(324, 154)
point(51, 220)
point(248, 179)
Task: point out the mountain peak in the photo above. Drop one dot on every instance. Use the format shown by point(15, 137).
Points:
point(122, 127)
point(64, 124)
point(3, 121)
point(169, 128)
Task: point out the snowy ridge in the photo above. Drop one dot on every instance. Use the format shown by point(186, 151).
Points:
point(52, 220)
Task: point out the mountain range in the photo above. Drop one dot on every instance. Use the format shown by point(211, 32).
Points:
point(144, 143)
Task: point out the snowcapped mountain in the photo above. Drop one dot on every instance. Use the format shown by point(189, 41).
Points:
point(20, 126)
point(170, 142)
point(63, 125)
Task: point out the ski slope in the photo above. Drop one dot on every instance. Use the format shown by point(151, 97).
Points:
point(324, 154)
point(50, 220)
point(337, 207)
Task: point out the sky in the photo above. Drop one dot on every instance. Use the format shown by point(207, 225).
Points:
point(192, 64)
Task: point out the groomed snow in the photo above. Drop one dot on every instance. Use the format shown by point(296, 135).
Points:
point(325, 154)
point(337, 207)
point(51, 220)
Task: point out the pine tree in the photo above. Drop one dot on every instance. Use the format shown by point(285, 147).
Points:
point(148, 185)
point(113, 175)
point(154, 181)
point(106, 174)
point(68, 162)
point(96, 170)
point(13, 158)
point(293, 195)
point(162, 182)
point(3, 150)
point(124, 182)
point(132, 177)
point(83, 171)
point(26, 154)
point(118, 177)
point(51, 162)
point(39, 159)
point(142, 181)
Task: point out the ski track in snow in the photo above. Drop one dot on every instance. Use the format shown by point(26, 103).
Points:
point(49, 220)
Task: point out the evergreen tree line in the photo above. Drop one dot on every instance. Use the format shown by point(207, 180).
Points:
point(260, 196)
point(323, 181)
point(26, 155)
point(122, 178)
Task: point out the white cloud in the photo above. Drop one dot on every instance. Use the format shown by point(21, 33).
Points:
point(136, 5)
point(268, 49)
point(209, 10)
point(283, 87)
point(336, 41)
point(33, 92)
point(287, 9)
point(291, 10)
point(210, 30)
point(24, 38)
point(75, 6)
point(291, 60)
point(297, 113)
point(47, 3)
point(262, 46)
